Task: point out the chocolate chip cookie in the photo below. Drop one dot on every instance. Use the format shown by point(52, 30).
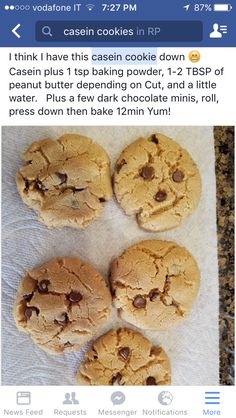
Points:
point(67, 181)
point(124, 357)
point(62, 304)
point(158, 181)
point(154, 284)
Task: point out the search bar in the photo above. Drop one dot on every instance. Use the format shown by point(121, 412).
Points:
point(119, 31)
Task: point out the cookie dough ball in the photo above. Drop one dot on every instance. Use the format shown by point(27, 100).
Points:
point(62, 304)
point(67, 181)
point(124, 357)
point(154, 284)
point(158, 181)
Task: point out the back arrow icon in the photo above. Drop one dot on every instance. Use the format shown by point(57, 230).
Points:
point(14, 30)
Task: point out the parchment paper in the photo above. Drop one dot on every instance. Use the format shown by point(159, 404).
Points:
point(193, 345)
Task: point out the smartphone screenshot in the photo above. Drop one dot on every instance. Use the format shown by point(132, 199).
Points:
point(117, 186)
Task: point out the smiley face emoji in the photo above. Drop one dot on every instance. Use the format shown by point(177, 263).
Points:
point(194, 56)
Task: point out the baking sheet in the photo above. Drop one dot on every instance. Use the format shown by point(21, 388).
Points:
point(26, 243)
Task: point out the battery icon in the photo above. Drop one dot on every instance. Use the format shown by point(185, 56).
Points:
point(222, 7)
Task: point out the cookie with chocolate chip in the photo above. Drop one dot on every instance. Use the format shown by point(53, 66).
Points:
point(124, 357)
point(158, 181)
point(62, 304)
point(66, 181)
point(154, 284)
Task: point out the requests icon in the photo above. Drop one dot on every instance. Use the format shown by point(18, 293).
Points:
point(70, 399)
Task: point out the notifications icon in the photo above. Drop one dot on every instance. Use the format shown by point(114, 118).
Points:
point(118, 398)
point(165, 397)
point(46, 30)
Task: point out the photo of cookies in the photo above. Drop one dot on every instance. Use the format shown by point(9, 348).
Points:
point(116, 255)
point(135, 361)
point(154, 284)
point(62, 304)
point(158, 181)
point(66, 180)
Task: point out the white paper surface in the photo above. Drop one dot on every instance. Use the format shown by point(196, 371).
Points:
point(193, 345)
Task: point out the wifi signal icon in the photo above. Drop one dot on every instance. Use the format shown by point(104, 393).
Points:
point(90, 7)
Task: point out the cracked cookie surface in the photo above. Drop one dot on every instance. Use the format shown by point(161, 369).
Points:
point(62, 304)
point(158, 181)
point(154, 284)
point(124, 357)
point(67, 181)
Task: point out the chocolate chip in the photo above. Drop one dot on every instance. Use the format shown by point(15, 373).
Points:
point(68, 344)
point(120, 165)
point(153, 295)
point(139, 302)
point(43, 286)
point(151, 381)
point(102, 199)
point(61, 319)
point(124, 353)
point(75, 296)
point(74, 204)
point(62, 177)
point(156, 351)
point(178, 176)
point(27, 184)
point(28, 297)
point(154, 139)
point(39, 185)
point(147, 172)
point(160, 196)
point(95, 356)
point(76, 189)
point(116, 379)
point(29, 310)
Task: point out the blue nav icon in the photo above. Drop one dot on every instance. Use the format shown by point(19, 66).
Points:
point(212, 398)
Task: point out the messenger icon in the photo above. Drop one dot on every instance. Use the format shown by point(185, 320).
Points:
point(118, 398)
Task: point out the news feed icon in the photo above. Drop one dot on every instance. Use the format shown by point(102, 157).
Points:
point(23, 398)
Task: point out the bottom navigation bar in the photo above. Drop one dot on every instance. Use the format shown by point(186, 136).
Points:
point(100, 401)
